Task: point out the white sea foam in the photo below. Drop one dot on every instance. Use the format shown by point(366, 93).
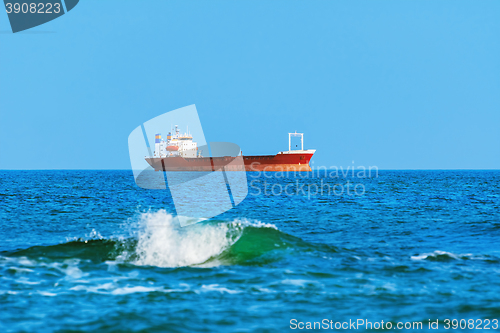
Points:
point(217, 288)
point(300, 282)
point(162, 242)
point(46, 293)
point(434, 254)
point(135, 289)
point(69, 268)
point(94, 235)
point(26, 281)
point(113, 288)
point(455, 256)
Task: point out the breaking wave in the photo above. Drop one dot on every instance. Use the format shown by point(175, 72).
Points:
point(159, 240)
point(444, 256)
point(162, 242)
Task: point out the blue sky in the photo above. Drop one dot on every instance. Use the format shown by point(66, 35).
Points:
point(396, 84)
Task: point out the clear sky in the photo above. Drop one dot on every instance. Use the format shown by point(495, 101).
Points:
point(396, 84)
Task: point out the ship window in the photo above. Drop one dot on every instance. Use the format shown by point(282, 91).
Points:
point(302, 157)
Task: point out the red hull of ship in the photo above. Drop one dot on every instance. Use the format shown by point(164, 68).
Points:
point(279, 162)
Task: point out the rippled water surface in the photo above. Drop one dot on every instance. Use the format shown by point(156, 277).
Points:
point(90, 251)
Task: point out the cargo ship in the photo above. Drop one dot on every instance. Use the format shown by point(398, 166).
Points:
point(180, 153)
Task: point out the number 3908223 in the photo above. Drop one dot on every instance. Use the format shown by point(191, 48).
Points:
point(39, 8)
point(477, 324)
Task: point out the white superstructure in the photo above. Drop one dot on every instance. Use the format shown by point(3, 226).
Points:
point(177, 144)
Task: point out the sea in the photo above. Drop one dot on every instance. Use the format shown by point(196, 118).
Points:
point(90, 251)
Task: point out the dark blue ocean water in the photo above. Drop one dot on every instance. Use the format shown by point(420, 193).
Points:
point(91, 251)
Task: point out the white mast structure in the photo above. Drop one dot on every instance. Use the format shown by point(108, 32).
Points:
point(297, 151)
point(301, 135)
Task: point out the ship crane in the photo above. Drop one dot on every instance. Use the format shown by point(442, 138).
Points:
point(301, 135)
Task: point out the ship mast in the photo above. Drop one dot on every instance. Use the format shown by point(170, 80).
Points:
point(301, 135)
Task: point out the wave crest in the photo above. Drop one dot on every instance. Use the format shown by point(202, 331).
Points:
point(162, 242)
point(157, 239)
